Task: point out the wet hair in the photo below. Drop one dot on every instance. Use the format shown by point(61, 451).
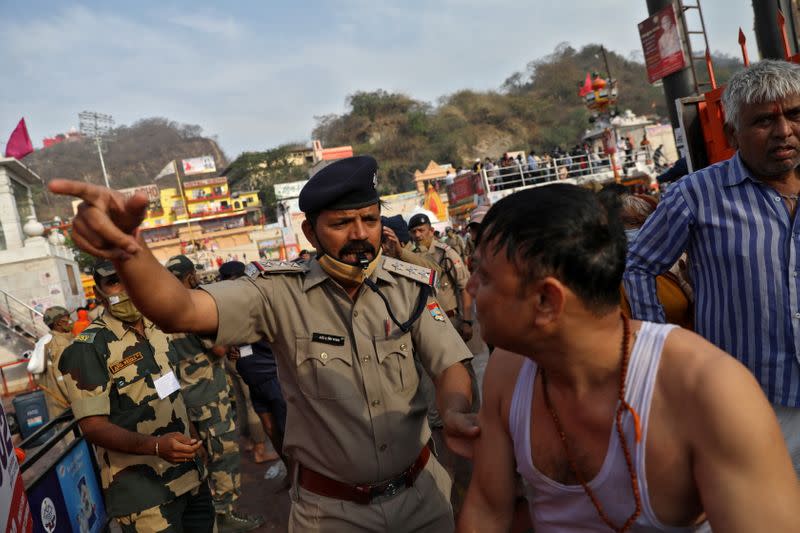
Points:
point(562, 231)
point(769, 80)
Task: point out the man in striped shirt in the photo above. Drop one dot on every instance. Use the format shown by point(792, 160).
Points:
point(736, 219)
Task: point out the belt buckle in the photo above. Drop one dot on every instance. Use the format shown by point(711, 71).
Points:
point(389, 489)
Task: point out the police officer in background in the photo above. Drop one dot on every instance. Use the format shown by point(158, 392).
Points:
point(343, 328)
point(120, 379)
point(453, 275)
point(205, 390)
point(454, 241)
point(51, 381)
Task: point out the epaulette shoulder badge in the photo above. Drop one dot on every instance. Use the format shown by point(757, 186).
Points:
point(255, 269)
point(420, 274)
point(86, 337)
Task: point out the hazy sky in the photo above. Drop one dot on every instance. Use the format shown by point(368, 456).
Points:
point(256, 73)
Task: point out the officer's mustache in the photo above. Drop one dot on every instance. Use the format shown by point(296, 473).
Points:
point(357, 247)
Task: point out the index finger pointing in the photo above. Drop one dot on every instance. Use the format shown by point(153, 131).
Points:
point(86, 191)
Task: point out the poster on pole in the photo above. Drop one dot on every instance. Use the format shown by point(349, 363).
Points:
point(662, 45)
point(198, 165)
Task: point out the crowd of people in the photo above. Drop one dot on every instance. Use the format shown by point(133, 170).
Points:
point(644, 373)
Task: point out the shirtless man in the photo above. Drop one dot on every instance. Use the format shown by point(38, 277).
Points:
point(549, 267)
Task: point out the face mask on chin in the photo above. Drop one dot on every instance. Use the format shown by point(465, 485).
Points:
point(346, 273)
point(121, 307)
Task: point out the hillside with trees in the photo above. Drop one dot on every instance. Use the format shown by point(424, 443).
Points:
point(133, 156)
point(537, 108)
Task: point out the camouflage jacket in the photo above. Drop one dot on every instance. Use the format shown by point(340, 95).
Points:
point(202, 374)
point(110, 370)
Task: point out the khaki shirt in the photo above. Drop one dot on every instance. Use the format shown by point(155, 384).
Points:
point(110, 370)
point(450, 268)
point(347, 371)
point(456, 243)
point(51, 380)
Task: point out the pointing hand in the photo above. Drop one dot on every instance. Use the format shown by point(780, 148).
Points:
point(106, 222)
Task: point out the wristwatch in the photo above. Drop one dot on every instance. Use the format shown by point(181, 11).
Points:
point(465, 321)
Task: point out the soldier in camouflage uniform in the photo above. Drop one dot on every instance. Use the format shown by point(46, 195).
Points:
point(119, 378)
point(206, 392)
point(51, 381)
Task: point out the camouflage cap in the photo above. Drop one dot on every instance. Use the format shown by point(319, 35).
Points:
point(180, 265)
point(52, 314)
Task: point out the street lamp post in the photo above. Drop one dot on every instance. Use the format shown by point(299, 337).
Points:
point(96, 125)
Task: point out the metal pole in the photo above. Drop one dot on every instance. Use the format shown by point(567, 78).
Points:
point(605, 60)
point(102, 162)
point(768, 36)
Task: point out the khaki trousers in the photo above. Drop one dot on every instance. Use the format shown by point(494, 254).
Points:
point(423, 507)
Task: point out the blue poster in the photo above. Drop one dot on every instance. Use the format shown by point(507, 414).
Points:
point(47, 506)
point(82, 494)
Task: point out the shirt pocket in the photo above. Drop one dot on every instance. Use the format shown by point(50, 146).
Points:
point(396, 358)
point(325, 371)
point(134, 393)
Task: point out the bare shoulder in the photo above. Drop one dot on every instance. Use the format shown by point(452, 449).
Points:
point(500, 379)
point(694, 372)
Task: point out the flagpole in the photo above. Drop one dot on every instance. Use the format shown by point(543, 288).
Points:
point(183, 199)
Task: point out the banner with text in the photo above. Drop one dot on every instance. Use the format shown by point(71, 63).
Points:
point(198, 165)
point(661, 42)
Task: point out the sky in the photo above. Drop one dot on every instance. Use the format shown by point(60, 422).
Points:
point(256, 73)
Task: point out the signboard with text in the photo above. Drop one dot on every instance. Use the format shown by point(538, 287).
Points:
point(661, 42)
point(68, 496)
point(198, 165)
point(15, 515)
point(292, 189)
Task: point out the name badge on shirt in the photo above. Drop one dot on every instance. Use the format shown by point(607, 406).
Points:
point(166, 384)
point(325, 338)
point(245, 350)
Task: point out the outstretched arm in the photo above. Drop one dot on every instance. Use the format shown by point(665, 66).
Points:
point(105, 226)
point(741, 464)
point(489, 505)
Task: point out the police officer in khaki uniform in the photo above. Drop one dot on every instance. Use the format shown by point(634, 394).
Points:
point(51, 381)
point(454, 241)
point(453, 274)
point(426, 250)
point(343, 328)
point(119, 376)
point(205, 390)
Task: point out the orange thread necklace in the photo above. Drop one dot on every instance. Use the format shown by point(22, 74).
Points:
point(621, 408)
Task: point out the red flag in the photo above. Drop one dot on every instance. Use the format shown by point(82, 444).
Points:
point(19, 144)
point(587, 86)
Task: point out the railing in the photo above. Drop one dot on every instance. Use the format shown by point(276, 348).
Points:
point(21, 318)
point(580, 168)
point(30, 385)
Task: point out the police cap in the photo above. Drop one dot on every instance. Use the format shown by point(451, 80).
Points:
point(231, 270)
point(344, 184)
point(418, 220)
point(180, 265)
point(52, 314)
point(103, 268)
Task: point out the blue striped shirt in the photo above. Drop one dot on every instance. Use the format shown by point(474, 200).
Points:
point(743, 258)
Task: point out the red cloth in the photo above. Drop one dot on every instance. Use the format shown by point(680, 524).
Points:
point(19, 144)
point(587, 86)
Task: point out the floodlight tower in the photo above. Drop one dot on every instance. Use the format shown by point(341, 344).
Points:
point(96, 125)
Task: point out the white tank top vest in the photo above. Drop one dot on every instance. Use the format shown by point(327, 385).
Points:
point(566, 508)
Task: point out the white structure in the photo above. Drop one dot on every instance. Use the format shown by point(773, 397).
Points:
point(34, 271)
